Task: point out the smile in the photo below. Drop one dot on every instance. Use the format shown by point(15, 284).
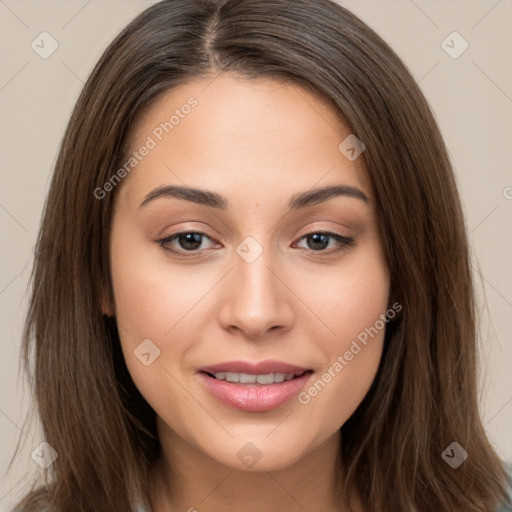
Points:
point(254, 392)
point(248, 378)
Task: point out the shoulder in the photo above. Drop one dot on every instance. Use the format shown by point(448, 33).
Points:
point(507, 508)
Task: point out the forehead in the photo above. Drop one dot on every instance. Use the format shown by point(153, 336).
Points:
point(252, 134)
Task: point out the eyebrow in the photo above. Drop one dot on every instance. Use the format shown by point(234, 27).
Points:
point(214, 200)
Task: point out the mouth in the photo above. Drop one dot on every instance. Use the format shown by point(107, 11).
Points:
point(263, 379)
point(254, 392)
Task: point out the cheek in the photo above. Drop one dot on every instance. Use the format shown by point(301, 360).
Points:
point(351, 297)
point(362, 298)
point(140, 299)
point(155, 301)
point(150, 295)
point(149, 303)
point(352, 347)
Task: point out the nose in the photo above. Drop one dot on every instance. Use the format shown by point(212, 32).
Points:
point(257, 297)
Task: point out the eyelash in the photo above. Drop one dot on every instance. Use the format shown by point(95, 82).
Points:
point(345, 243)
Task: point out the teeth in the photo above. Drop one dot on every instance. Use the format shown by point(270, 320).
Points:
point(247, 378)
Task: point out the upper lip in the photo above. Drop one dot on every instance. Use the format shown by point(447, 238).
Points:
point(255, 368)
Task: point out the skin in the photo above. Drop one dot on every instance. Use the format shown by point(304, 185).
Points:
point(256, 142)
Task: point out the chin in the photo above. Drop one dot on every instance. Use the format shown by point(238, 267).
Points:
point(256, 456)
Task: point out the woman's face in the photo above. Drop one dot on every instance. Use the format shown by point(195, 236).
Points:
point(265, 270)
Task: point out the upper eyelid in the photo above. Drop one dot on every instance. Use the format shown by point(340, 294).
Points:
point(202, 233)
point(186, 231)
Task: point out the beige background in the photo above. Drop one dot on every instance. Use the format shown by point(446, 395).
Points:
point(470, 95)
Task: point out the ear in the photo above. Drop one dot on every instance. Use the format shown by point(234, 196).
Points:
point(106, 304)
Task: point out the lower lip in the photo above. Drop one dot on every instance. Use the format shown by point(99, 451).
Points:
point(254, 397)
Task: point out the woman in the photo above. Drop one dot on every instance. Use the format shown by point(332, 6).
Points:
point(252, 285)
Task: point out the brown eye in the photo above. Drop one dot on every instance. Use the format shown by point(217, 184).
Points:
point(187, 241)
point(318, 241)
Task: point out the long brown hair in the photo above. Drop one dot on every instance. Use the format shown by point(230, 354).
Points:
point(424, 396)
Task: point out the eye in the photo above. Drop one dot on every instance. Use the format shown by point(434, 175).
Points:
point(318, 241)
point(190, 242)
